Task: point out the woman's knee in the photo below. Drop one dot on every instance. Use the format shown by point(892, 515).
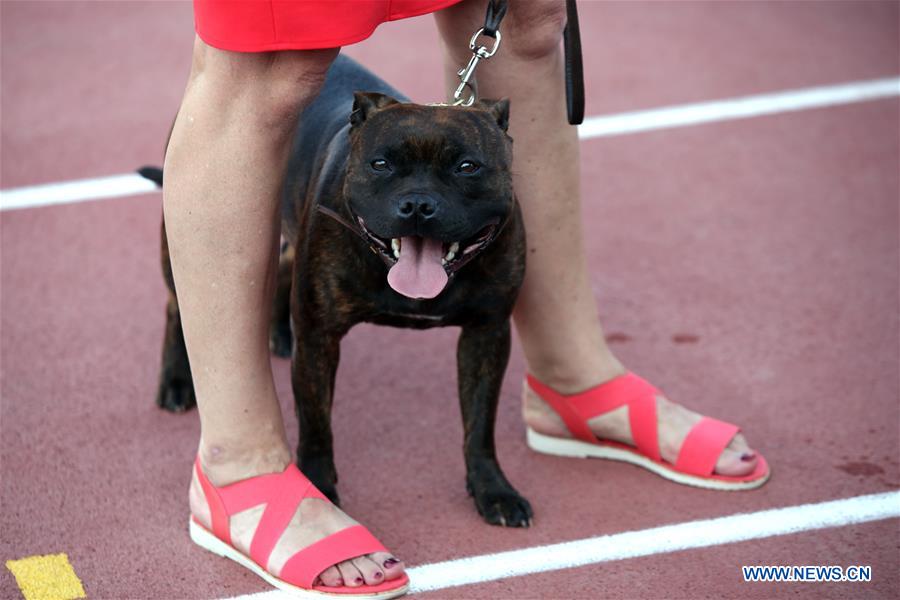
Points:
point(277, 84)
point(533, 30)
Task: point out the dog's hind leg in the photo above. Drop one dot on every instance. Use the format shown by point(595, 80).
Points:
point(280, 328)
point(482, 355)
point(176, 387)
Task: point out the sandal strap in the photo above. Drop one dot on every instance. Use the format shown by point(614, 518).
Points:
point(218, 515)
point(703, 445)
point(292, 488)
point(629, 389)
point(281, 492)
point(305, 566)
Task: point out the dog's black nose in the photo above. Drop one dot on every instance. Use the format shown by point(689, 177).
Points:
point(418, 207)
point(407, 208)
point(426, 208)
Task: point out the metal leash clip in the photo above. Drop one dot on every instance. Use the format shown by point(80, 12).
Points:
point(466, 73)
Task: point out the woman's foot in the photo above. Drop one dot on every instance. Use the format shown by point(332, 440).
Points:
point(314, 520)
point(673, 421)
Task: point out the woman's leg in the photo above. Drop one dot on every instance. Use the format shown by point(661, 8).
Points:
point(556, 315)
point(223, 172)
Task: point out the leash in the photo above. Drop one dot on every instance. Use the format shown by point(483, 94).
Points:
point(496, 9)
point(574, 66)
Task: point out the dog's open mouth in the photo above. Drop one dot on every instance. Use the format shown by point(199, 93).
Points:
point(421, 267)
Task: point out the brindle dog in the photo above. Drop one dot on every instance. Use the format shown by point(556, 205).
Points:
point(401, 215)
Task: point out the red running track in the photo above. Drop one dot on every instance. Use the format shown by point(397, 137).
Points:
point(749, 268)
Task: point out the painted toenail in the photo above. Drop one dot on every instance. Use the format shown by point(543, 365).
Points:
point(748, 456)
point(358, 580)
point(390, 562)
point(378, 575)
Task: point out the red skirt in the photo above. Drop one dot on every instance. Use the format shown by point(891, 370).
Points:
point(261, 25)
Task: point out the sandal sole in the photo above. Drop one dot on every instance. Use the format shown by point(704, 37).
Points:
point(556, 446)
point(206, 540)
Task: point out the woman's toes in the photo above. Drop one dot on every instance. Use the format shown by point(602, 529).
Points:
point(350, 574)
point(391, 565)
point(740, 444)
point(736, 463)
point(371, 572)
point(331, 577)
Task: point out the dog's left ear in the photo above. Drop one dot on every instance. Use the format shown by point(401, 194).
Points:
point(365, 103)
point(500, 111)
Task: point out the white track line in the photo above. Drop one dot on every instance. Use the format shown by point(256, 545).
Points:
point(66, 192)
point(682, 115)
point(739, 108)
point(646, 542)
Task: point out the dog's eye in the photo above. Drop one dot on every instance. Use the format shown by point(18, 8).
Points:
point(467, 167)
point(379, 164)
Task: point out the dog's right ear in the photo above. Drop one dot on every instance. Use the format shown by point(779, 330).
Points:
point(499, 109)
point(365, 103)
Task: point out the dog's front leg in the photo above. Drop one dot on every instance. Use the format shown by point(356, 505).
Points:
point(280, 324)
point(315, 359)
point(481, 358)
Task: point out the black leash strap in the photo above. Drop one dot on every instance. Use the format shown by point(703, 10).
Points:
point(574, 66)
point(496, 10)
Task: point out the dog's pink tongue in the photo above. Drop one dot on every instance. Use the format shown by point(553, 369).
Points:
point(418, 272)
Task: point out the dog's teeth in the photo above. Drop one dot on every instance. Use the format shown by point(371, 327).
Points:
point(397, 254)
point(450, 256)
point(395, 245)
point(443, 261)
point(454, 247)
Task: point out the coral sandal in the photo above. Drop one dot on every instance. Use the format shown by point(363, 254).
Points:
point(696, 458)
point(282, 494)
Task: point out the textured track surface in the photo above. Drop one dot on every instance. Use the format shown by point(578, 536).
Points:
point(748, 268)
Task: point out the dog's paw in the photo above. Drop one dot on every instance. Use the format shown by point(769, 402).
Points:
point(176, 395)
point(280, 341)
point(331, 493)
point(321, 472)
point(503, 507)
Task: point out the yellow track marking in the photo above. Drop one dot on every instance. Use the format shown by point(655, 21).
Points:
point(48, 577)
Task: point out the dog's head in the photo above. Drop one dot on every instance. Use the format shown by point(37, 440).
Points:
point(429, 185)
